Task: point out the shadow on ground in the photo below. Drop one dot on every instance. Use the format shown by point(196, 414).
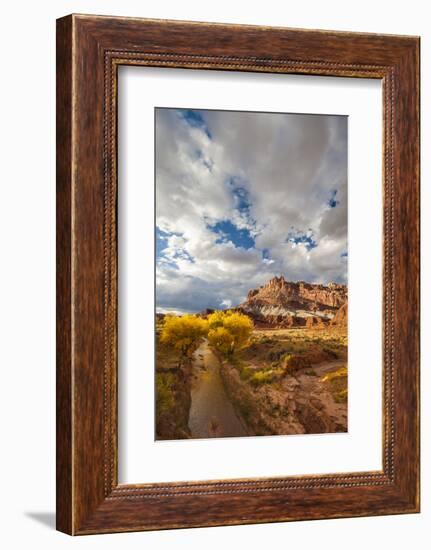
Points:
point(45, 518)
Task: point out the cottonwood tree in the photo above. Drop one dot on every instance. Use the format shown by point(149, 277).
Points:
point(183, 333)
point(229, 331)
point(221, 339)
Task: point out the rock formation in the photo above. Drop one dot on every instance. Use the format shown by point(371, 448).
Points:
point(283, 303)
point(315, 322)
point(340, 318)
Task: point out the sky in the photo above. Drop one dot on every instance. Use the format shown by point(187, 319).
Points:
point(244, 196)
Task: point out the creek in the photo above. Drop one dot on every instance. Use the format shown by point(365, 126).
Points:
point(211, 412)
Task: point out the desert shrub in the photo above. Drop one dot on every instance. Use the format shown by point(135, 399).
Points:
point(276, 355)
point(266, 376)
point(337, 381)
point(261, 377)
point(341, 396)
point(182, 333)
point(298, 347)
point(339, 373)
point(246, 373)
point(164, 392)
point(287, 360)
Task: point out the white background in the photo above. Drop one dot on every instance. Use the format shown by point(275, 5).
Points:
point(141, 458)
point(27, 122)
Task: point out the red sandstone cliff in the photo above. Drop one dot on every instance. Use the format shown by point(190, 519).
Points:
point(340, 318)
point(281, 297)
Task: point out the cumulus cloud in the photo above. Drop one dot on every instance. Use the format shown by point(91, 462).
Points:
point(241, 197)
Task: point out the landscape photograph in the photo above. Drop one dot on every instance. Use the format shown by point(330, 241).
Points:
point(251, 274)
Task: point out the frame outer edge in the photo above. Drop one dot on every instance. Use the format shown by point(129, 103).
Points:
point(407, 269)
point(81, 507)
point(64, 300)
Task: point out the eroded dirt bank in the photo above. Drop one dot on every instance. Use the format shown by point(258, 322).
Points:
point(293, 405)
point(173, 400)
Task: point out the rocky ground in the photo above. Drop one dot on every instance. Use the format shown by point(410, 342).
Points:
point(291, 382)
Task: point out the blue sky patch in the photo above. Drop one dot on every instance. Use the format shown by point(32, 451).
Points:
point(162, 244)
point(241, 238)
point(195, 120)
point(161, 241)
point(240, 193)
point(298, 237)
point(332, 201)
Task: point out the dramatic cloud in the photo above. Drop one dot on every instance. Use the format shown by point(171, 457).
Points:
point(241, 197)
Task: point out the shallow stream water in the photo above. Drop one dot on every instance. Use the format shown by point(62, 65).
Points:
point(211, 412)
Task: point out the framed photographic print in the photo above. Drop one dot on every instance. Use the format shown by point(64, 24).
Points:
point(237, 274)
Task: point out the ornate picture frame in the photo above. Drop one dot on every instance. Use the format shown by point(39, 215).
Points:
point(89, 51)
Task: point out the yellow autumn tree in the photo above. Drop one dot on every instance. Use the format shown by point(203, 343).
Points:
point(240, 327)
point(216, 319)
point(229, 331)
point(221, 339)
point(182, 333)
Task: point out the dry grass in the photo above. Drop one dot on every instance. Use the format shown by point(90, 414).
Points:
point(274, 353)
point(337, 384)
point(332, 376)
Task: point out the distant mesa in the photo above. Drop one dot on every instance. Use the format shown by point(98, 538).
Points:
point(285, 303)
